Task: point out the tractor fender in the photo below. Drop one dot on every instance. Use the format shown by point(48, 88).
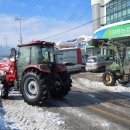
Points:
point(35, 67)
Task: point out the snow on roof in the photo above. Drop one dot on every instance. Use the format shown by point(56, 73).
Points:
point(81, 39)
point(84, 38)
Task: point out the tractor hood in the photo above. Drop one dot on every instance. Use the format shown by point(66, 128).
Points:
point(5, 63)
point(5, 66)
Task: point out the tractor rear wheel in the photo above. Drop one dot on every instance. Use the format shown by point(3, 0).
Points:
point(109, 78)
point(33, 88)
point(4, 92)
point(62, 85)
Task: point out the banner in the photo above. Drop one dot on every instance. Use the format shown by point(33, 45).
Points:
point(113, 32)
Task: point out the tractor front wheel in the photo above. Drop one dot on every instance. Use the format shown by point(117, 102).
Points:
point(109, 78)
point(33, 88)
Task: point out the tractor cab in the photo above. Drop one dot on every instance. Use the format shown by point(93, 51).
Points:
point(37, 55)
point(36, 52)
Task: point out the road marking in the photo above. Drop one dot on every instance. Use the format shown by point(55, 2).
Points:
point(109, 114)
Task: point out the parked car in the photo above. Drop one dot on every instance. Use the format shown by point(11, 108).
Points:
point(72, 67)
point(99, 62)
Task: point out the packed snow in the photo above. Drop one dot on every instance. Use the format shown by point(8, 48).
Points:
point(122, 89)
point(18, 115)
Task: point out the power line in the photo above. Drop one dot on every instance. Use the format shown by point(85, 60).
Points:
point(40, 2)
point(66, 31)
point(74, 28)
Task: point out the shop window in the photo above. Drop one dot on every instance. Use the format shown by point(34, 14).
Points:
point(107, 12)
point(119, 14)
point(108, 18)
point(123, 4)
point(115, 1)
point(128, 11)
point(119, 6)
point(128, 17)
point(111, 3)
point(111, 10)
point(124, 18)
point(128, 3)
point(115, 15)
point(124, 12)
point(107, 5)
point(111, 17)
point(115, 8)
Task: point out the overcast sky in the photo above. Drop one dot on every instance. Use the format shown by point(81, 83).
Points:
point(43, 18)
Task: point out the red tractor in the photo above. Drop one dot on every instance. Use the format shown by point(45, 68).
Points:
point(36, 73)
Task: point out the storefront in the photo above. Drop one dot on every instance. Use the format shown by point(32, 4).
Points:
point(118, 32)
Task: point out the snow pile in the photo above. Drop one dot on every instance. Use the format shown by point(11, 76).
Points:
point(21, 116)
point(3, 125)
point(2, 121)
point(6, 124)
point(124, 90)
point(11, 125)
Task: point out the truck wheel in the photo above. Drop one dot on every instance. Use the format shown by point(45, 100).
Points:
point(4, 92)
point(33, 88)
point(109, 78)
point(62, 86)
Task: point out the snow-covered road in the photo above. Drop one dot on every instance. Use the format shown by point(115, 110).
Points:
point(89, 106)
point(17, 115)
point(122, 89)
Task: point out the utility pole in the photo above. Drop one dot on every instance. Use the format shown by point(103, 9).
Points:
point(20, 23)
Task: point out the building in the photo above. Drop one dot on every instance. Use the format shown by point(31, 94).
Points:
point(111, 20)
point(106, 12)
